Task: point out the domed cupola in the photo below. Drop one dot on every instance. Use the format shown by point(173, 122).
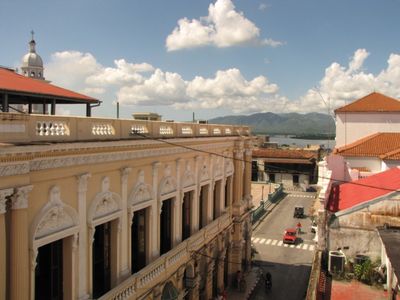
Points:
point(32, 63)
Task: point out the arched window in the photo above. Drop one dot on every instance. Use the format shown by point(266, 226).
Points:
point(169, 292)
point(32, 74)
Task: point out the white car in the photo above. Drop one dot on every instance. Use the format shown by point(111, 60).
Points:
point(313, 227)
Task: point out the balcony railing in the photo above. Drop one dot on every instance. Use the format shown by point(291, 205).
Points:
point(167, 264)
point(49, 128)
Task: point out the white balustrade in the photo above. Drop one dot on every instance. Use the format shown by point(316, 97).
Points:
point(137, 128)
point(166, 130)
point(216, 131)
point(228, 131)
point(102, 129)
point(186, 130)
point(52, 128)
point(203, 131)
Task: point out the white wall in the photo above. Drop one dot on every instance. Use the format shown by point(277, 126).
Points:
point(353, 126)
point(358, 241)
point(372, 163)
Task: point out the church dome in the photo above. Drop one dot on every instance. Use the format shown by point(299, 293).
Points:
point(32, 63)
point(32, 59)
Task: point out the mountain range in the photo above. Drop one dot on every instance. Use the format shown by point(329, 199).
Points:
point(288, 124)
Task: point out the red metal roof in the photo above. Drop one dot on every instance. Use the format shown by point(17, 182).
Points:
point(374, 102)
point(385, 145)
point(13, 82)
point(350, 194)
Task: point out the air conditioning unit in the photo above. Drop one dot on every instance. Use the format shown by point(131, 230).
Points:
point(336, 262)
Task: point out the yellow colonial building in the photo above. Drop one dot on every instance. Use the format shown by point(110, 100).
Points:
point(96, 208)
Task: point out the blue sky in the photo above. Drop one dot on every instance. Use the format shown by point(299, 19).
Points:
point(211, 57)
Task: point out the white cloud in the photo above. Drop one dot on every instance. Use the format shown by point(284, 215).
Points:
point(140, 84)
point(262, 6)
point(161, 88)
point(223, 27)
point(71, 68)
point(342, 84)
point(123, 73)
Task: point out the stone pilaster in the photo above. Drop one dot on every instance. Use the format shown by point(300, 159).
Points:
point(179, 201)
point(195, 290)
point(124, 267)
point(19, 249)
point(83, 292)
point(196, 199)
point(209, 280)
point(220, 266)
point(237, 182)
point(3, 242)
point(155, 213)
point(247, 177)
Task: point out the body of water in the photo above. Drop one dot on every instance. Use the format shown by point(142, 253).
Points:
point(289, 140)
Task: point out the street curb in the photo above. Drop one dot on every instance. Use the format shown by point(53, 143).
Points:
point(269, 209)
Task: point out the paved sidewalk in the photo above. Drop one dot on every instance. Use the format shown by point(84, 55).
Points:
point(251, 278)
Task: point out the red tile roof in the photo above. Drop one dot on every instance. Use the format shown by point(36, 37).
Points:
point(384, 145)
point(374, 102)
point(16, 83)
point(351, 194)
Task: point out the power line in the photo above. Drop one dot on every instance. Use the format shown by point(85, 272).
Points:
point(246, 161)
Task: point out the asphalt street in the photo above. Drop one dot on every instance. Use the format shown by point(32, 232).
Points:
point(289, 265)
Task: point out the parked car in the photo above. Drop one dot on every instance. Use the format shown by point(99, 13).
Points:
point(290, 236)
point(313, 227)
point(298, 211)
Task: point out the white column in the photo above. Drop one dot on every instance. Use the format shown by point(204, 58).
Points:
point(155, 214)
point(19, 249)
point(196, 220)
point(84, 266)
point(125, 266)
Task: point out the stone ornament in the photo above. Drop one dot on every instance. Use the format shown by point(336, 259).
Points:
point(204, 173)
point(105, 202)
point(168, 183)
point(228, 166)
point(142, 191)
point(3, 199)
point(54, 217)
point(188, 177)
point(19, 199)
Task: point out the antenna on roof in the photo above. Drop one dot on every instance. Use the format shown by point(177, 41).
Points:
point(32, 34)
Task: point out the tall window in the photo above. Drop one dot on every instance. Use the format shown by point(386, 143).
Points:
point(203, 199)
point(166, 227)
point(217, 200)
point(138, 238)
point(186, 219)
point(49, 272)
point(227, 190)
point(102, 260)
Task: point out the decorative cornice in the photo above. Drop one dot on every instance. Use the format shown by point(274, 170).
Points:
point(20, 198)
point(10, 169)
point(3, 199)
point(77, 157)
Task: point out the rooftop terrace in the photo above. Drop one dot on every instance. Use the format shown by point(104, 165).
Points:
point(31, 128)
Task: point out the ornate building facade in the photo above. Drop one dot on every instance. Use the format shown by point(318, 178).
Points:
point(91, 210)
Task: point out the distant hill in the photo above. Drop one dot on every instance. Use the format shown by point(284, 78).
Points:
point(290, 123)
